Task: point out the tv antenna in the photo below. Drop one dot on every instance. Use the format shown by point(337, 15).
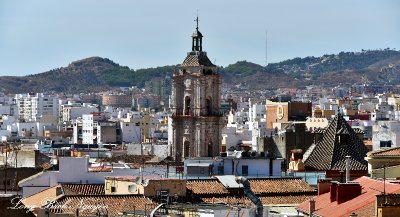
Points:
point(266, 48)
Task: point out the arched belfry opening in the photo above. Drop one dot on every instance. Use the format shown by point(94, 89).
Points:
point(209, 106)
point(187, 105)
point(186, 149)
point(210, 149)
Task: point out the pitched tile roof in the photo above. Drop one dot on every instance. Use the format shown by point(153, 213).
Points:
point(278, 186)
point(211, 186)
point(385, 152)
point(197, 59)
point(266, 200)
point(41, 198)
point(83, 189)
point(51, 194)
point(360, 204)
point(101, 204)
point(338, 141)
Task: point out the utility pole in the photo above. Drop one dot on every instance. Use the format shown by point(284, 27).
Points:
point(384, 182)
point(5, 170)
point(266, 48)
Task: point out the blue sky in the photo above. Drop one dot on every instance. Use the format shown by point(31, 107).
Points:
point(36, 36)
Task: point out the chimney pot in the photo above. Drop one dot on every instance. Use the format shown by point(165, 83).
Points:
point(323, 186)
point(312, 207)
point(348, 169)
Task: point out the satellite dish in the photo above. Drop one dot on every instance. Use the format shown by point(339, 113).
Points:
point(132, 188)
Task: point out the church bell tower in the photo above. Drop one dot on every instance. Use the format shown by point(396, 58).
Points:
point(196, 122)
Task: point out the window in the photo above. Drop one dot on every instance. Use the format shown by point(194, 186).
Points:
point(113, 189)
point(245, 170)
point(386, 144)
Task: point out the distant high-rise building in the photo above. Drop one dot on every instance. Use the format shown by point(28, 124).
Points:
point(196, 122)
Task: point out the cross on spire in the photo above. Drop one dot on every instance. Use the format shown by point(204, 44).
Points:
point(197, 37)
point(197, 22)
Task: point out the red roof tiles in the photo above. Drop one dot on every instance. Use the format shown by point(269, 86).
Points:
point(206, 187)
point(360, 204)
point(83, 189)
point(101, 205)
point(262, 186)
point(267, 200)
point(386, 152)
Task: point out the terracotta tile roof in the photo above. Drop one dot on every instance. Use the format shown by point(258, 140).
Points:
point(83, 189)
point(330, 154)
point(101, 204)
point(284, 185)
point(211, 186)
point(267, 200)
point(289, 199)
point(370, 188)
point(386, 152)
point(41, 198)
point(366, 211)
point(195, 59)
point(100, 169)
point(135, 178)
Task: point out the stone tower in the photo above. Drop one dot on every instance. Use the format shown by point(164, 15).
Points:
point(196, 122)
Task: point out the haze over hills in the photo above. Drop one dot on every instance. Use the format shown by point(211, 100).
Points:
point(96, 73)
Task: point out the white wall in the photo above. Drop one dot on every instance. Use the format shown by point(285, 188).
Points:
point(385, 131)
point(130, 132)
point(71, 170)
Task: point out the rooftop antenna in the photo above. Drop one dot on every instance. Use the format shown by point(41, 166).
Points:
point(266, 48)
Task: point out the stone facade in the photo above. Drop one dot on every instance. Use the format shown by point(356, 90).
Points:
point(195, 104)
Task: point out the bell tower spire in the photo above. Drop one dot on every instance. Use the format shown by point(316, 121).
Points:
point(197, 43)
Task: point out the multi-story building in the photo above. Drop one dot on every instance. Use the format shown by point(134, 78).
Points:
point(283, 112)
point(72, 111)
point(96, 130)
point(32, 107)
point(117, 100)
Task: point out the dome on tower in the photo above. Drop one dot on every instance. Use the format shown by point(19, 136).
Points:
point(197, 33)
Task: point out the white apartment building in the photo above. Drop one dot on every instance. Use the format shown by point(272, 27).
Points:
point(32, 107)
point(72, 111)
point(95, 130)
point(256, 111)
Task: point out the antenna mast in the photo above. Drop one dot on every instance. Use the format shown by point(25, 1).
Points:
point(266, 48)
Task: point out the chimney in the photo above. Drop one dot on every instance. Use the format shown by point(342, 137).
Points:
point(332, 189)
point(312, 207)
point(347, 169)
point(323, 186)
point(347, 191)
point(59, 190)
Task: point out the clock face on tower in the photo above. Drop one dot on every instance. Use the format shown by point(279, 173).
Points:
point(279, 112)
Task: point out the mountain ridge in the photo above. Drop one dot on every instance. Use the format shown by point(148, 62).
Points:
point(94, 74)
